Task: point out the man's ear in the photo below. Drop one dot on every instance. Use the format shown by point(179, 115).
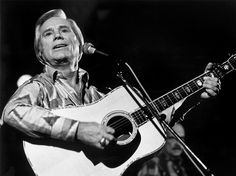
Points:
point(41, 58)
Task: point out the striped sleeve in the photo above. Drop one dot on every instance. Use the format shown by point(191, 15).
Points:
point(24, 112)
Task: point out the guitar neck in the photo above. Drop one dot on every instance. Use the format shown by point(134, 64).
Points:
point(187, 89)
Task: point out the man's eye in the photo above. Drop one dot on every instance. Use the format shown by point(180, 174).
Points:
point(47, 34)
point(64, 30)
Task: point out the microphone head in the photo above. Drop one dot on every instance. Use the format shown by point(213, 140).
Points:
point(88, 48)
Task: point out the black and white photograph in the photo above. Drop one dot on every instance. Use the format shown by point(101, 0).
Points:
point(117, 87)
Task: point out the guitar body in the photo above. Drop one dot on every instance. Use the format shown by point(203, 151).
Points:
point(135, 144)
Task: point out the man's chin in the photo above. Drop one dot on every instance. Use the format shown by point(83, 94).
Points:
point(60, 61)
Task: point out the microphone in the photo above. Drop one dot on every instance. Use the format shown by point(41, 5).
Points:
point(88, 48)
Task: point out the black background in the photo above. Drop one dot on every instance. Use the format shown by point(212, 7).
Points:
point(165, 42)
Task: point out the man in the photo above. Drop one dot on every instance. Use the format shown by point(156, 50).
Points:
point(58, 45)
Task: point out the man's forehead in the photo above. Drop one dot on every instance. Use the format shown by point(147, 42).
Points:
point(179, 129)
point(54, 22)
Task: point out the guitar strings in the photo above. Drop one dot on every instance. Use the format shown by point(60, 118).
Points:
point(138, 115)
point(124, 122)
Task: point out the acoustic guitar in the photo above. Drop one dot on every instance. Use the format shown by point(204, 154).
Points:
point(137, 138)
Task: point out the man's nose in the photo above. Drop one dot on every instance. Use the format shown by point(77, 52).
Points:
point(58, 36)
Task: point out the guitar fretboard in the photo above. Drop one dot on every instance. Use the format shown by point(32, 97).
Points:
point(185, 90)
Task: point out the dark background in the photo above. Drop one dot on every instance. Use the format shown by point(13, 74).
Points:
point(165, 42)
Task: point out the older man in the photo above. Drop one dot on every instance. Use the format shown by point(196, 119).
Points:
point(58, 46)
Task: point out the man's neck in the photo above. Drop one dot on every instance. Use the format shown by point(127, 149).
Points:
point(69, 74)
point(70, 77)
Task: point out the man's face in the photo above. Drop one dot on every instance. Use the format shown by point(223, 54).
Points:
point(59, 45)
point(173, 147)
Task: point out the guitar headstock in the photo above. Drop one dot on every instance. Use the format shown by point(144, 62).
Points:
point(220, 70)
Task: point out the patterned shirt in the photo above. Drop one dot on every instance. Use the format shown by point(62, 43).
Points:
point(29, 109)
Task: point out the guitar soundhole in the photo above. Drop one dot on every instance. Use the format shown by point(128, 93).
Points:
point(123, 127)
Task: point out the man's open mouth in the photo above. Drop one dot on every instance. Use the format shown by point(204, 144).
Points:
point(60, 46)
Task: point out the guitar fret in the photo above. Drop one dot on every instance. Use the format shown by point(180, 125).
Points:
point(167, 100)
point(135, 117)
point(156, 105)
point(199, 82)
point(160, 105)
point(143, 118)
point(182, 92)
point(163, 103)
point(194, 86)
point(170, 96)
point(173, 98)
point(177, 95)
point(187, 89)
point(139, 117)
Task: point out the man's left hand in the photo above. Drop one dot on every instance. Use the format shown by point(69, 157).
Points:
point(211, 84)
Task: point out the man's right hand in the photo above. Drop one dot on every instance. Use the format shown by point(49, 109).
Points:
point(92, 133)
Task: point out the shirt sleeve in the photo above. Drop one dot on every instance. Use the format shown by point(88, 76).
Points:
point(25, 112)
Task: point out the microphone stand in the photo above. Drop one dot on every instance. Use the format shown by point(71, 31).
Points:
point(152, 110)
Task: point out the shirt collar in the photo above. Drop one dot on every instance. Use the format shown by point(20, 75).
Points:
point(54, 74)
